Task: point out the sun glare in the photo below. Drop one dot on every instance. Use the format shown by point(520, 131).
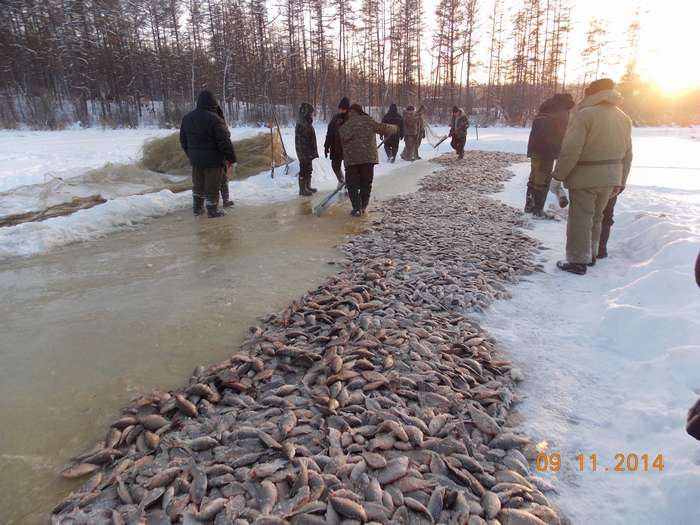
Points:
point(668, 58)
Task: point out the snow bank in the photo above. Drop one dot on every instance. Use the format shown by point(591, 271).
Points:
point(613, 358)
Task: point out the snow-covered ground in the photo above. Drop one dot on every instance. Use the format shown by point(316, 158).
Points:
point(32, 157)
point(613, 358)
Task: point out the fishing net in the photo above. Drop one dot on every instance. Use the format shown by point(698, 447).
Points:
point(255, 155)
point(431, 136)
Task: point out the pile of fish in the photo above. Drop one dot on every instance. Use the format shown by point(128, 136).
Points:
point(372, 399)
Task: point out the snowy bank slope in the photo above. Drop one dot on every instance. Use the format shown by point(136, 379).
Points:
point(81, 150)
point(613, 358)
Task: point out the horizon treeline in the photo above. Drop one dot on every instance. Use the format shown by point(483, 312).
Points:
point(124, 63)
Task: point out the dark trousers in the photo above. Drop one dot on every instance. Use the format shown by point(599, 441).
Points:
point(391, 146)
point(458, 145)
point(538, 184)
point(305, 169)
point(608, 213)
point(206, 183)
point(224, 187)
point(359, 182)
point(337, 165)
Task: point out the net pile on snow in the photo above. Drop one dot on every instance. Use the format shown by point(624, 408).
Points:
point(255, 155)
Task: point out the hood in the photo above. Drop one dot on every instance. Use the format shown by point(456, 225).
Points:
point(305, 112)
point(207, 100)
point(393, 110)
point(608, 96)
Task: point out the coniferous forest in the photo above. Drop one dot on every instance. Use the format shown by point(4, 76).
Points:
point(124, 63)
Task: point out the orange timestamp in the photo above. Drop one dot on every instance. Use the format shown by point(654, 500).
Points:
point(631, 462)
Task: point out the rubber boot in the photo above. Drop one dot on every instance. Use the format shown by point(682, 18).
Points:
point(529, 200)
point(303, 192)
point(197, 205)
point(603, 243)
point(308, 185)
point(213, 211)
point(226, 202)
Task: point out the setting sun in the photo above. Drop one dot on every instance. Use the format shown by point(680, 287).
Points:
point(666, 56)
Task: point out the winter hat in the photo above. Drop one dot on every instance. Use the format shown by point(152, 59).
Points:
point(410, 108)
point(393, 109)
point(602, 84)
point(564, 100)
point(344, 103)
point(455, 109)
point(357, 109)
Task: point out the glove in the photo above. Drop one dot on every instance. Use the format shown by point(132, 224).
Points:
point(326, 151)
point(563, 201)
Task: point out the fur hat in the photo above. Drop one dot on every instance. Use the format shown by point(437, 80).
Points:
point(344, 103)
point(602, 84)
point(357, 109)
point(455, 109)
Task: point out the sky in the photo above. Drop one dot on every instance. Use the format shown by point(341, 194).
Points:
point(669, 37)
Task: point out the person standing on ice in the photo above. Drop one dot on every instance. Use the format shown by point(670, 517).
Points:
point(543, 146)
point(391, 142)
point(332, 144)
point(206, 141)
point(410, 134)
point(307, 150)
point(458, 131)
point(357, 136)
point(420, 115)
point(226, 202)
point(594, 163)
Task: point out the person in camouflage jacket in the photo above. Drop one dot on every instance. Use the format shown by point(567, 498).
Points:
point(360, 154)
point(307, 149)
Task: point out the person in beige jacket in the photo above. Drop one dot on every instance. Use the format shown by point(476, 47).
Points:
point(594, 163)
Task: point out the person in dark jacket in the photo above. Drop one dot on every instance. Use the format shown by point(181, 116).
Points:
point(307, 150)
point(458, 131)
point(543, 146)
point(207, 143)
point(360, 154)
point(332, 144)
point(391, 142)
point(226, 202)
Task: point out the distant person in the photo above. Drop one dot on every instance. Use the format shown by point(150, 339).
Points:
point(543, 146)
point(307, 150)
point(207, 143)
point(332, 144)
point(594, 164)
point(420, 115)
point(226, 202)
point(391, 142)
point(360, 154)
point(410, 134)
point(458, 131)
